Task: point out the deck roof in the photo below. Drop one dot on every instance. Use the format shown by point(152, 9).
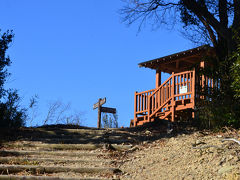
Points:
point(191, 56)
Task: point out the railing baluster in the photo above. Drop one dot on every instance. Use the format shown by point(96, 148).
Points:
point(162, 97)
point(145, 100)
point(139, 103)
point(164, 94)
point(159, 98)
point(185, 79)
point(187, 84)
point(169, 89)
point(190, 83)
point(166, 91)
point(136, 103)
point(155, 101)
point(177, 88)
point(152, 102)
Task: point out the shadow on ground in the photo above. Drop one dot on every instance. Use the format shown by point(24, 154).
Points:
point(70, 134)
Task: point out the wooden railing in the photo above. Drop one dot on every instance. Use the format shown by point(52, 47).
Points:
point(141, 101)
point(206, 87)
point(177, 87)
point(184, 80)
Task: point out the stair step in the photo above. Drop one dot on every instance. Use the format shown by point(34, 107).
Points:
point(66, 146)
point(52, 153)
point(5, 169)
point(15, 177)
point(83, 140)
point(23, 160)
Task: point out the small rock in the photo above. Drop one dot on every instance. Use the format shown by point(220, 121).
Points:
point(225, 169)
point(223, 160)
point(236, 159)
point(198, 142)
point(147, 132)
point(230, 157)
point(145, 142)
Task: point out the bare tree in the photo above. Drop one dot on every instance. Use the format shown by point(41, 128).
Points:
point(58, 113)
point(215, 20)
point(110, 120)
point(62, 112)
point(33, 108)
point(75, 118)
point(52, 111)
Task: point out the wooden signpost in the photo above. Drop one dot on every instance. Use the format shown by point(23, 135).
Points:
point(102, 109)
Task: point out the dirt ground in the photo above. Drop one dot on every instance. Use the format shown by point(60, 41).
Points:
point(199, 155)
point(147, 152)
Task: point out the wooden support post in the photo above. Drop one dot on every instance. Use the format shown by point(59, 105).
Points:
point(99, 106)
point(173, 99)
point(193, 92)
point(99, 116)
point(158, 78)
point(135, 109)
point(202, 65)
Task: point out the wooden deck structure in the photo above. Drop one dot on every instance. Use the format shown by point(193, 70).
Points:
point(176, 97)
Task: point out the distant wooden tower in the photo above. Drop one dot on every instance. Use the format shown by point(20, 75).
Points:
point(177, 96)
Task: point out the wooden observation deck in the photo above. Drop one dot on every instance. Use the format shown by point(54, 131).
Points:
point(176, 97)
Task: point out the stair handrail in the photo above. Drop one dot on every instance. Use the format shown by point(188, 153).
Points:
point(157, 89)
point(165, 82)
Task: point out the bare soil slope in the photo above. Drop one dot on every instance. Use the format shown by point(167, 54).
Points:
point(200, 155)
point(148, 152)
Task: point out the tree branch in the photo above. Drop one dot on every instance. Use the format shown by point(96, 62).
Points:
point(231, 139)
point(202, 11)
point(210, 31)
point(223, 16)
point(236, 19)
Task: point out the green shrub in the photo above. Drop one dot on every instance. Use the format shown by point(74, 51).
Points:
point(11, 114)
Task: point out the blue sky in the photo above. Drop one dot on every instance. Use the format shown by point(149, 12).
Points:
point(78, 51)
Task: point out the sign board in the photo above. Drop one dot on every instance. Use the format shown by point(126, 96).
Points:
point(183, 89)
point(99, 103)
point(108, 110)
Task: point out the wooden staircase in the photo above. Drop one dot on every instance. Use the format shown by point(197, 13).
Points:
point(168, 101)
point(64, 154)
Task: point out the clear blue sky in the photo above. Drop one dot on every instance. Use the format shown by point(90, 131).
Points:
point(78, 51)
